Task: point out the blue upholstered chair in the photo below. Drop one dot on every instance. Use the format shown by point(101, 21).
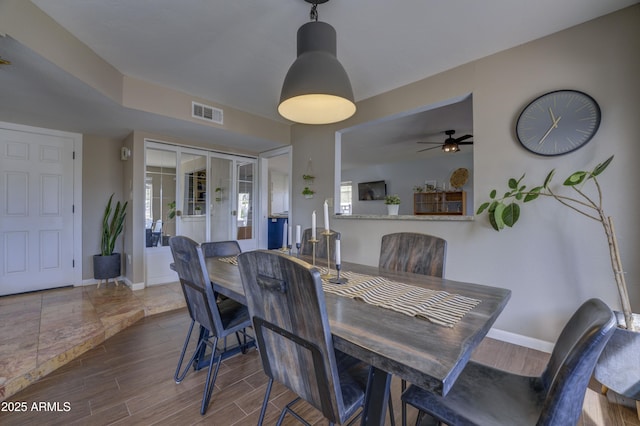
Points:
point(484, 395)
point(217, 320)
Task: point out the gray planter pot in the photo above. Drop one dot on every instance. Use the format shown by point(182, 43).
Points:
point(105, 267)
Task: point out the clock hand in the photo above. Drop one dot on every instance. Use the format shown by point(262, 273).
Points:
point(553, 126)
point(553, 118)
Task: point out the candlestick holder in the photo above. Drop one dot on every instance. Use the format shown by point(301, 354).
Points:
point(327, 233)
point(313, 242)
point(289, 249)
point(297, 249)
point(337, 279)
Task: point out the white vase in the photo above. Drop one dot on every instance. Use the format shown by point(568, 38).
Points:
point(392, 209)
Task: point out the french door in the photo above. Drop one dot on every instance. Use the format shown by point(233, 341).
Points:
point(207, 196)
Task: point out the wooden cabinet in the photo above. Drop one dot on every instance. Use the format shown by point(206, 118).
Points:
point(440, 203)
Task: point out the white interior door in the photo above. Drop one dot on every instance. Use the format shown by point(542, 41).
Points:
point(37, 223)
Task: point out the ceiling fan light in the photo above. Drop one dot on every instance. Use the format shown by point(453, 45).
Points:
point(316, 89)
point(450, 147)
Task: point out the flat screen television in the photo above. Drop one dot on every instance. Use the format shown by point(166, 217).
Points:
point(375, 190)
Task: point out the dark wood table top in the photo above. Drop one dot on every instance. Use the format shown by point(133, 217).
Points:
point(426, 354)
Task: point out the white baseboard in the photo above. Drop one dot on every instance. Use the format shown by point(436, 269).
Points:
point(520, 340)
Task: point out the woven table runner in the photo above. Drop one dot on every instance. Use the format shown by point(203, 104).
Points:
point(438, 307)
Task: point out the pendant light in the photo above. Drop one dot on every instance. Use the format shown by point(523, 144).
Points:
point(316, 90)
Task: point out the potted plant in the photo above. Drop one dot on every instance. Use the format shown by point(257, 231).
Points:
point(172, 210)
point(613, 369)
point(308, 192)
point(393, 204)
point(107, 264)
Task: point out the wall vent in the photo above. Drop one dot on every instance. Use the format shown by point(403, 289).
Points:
point(206, 112)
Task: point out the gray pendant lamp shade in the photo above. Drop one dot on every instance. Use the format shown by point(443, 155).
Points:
point(316, 89)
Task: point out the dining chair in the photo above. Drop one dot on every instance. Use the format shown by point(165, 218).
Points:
point(306, 247)
point(287, 307)
point(413, 252)
point(483, 395)
point(220, 248)
point(217, 320)
point(417, 253)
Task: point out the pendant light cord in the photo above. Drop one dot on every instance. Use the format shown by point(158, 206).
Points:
point(313, 15)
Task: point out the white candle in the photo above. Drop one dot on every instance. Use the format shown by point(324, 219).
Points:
point(326, 216)
point(337, 252)
point(313, 225)
point(284, 236)
point(290, 236)
point(298, 234)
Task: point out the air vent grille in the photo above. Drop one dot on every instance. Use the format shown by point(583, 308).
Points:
point(206, 112)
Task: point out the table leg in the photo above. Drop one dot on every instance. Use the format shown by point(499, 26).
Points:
point(376, 399)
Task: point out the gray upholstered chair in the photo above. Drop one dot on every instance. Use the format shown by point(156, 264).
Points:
point(287, 307)
point(216, 320)
point(413, 252)
point(306, 248)
point(483, 395)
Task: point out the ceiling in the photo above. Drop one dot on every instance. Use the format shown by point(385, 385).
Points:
point(236, 53)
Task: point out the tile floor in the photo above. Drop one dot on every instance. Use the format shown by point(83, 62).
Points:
point(42, 331)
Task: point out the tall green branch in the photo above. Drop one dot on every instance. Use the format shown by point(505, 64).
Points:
point(505, 211)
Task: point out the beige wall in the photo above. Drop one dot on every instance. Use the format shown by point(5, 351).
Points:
point(101, 176)
point(554, 259)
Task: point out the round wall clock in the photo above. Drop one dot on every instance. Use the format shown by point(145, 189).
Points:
point(558, 122)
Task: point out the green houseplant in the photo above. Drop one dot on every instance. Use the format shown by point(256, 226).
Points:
point(393, 204)
point(392, 199)
point(107, 264)
point(308, 192)
point(505, 211)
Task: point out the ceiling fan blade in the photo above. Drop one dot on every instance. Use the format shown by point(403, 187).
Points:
point(465, 143)
point(461, 138)
point(433, 147)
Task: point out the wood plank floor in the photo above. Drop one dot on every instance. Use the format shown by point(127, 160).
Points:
point(128, 380)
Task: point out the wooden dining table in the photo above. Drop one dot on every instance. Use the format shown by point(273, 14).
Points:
point(393, 343)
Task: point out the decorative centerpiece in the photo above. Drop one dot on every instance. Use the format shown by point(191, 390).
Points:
point(393, 204)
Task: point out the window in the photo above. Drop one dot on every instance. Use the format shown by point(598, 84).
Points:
point(346, 191)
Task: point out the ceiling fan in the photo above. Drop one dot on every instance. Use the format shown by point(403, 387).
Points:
point(450, 144)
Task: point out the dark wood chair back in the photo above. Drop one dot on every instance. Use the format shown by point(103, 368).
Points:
point(287, 306)
point(220, 248)
point(306, 248)
point(198, 292)
point(413, 252)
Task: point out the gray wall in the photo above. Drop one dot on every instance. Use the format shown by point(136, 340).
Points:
point(554, 259)
point(400, 179)
point(101, 176)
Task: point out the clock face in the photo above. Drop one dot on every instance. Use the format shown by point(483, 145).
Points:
point(558, 122)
